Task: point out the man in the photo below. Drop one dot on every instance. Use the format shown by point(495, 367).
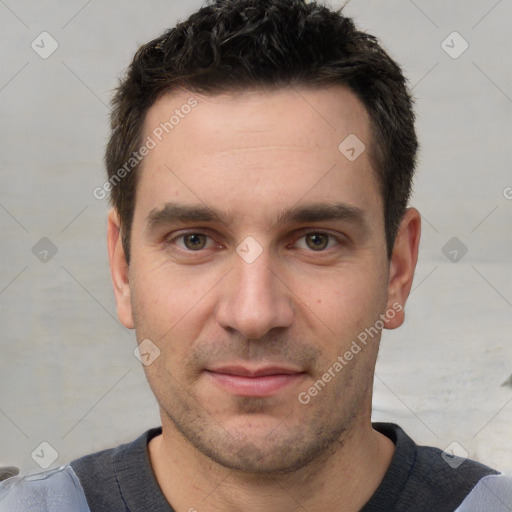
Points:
point(260, 166)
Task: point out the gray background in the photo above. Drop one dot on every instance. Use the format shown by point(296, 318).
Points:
point(68, 376)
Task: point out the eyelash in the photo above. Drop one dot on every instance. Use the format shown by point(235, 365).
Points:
point(338, 239)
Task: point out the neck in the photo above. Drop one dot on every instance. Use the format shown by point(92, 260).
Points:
point(343, 480)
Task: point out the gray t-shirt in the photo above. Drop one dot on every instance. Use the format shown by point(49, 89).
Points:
point(419, 479)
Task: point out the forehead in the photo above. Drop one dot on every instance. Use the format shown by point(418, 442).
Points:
point(258, 149)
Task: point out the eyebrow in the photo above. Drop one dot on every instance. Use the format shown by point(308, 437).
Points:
point(174, 212)
point(318, 212)
point(314, 212)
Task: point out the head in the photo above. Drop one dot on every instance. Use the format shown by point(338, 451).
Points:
point(245, 238)
point(233, 45)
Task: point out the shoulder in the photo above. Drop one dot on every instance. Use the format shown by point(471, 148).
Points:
point(446, 476)
point(96, 473)
point(491, 494)
point(102, 464)
point(460, 484)
point(90, 483)
point(58, 490)
point(424, 478)
point(110, 477)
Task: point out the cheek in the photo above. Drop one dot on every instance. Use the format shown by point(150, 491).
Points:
point(168, 302)
point(156, 300)
point(346, 301)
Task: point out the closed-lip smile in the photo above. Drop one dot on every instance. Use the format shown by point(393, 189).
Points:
point(254, 381)
point(245, 371)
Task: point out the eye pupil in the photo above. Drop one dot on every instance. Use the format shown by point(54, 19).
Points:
point(317, 241)
point(194, 241)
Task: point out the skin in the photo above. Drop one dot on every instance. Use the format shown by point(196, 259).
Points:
point(255, 155)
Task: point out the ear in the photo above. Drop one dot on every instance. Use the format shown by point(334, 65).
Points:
point(402, 266)
point(119, 270)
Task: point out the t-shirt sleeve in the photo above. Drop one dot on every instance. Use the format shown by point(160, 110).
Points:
point(56, 490)
point(490, 494)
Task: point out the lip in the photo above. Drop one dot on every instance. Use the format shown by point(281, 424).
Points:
point(257, 382)
point(261, 371)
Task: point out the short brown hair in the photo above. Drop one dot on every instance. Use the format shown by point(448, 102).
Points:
point(230, 45)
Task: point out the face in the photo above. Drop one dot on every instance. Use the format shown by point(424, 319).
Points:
point(258, 256)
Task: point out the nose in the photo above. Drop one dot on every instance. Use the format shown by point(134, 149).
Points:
point(255, 299)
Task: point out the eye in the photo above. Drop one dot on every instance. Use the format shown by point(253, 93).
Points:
point(317, 241)
point(192, 241)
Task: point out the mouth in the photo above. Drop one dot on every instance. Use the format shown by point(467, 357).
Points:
point(255, 382)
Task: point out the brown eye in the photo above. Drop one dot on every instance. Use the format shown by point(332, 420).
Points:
point(194, 241)
point(317, 241)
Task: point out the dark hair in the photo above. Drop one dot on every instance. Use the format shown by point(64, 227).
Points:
point(230, 45)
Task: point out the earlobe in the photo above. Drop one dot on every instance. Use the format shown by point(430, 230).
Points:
point(119, 270)
point(402, 265)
